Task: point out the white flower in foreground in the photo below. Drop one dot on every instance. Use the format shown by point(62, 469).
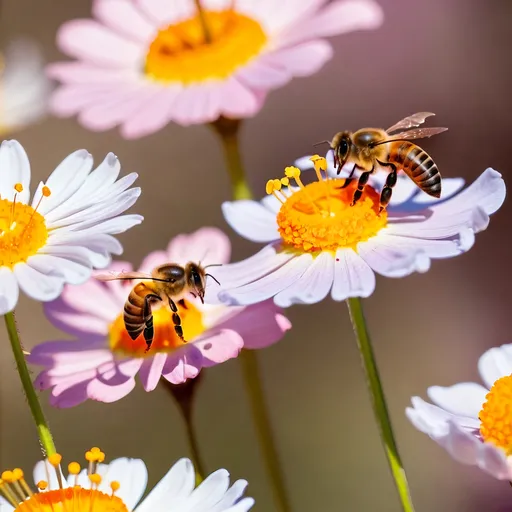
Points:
point(470, 422)
point(319, 243)
point(24, 87)
point(66, 230)
point(118, 487)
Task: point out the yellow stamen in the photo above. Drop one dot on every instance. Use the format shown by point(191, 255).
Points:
point(95, 479)
point(8, 494)
point(319, 216)
point(320, 164)
point(115, 486)
point(18, 187)
point(42, 485)
point(74, 468)
point(55, 459)
point(8, 477)
point(180, 54)
point(46, 191)
point(496, 415)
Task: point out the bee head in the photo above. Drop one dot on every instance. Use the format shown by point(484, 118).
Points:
point(341, 145)
point(196, 279)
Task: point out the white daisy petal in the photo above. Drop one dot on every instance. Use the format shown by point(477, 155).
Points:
point(495, 363)
point(9, 290)
point(174, 488)
point(352, 276)
point(37, 285)
point(461, 445)
point(464, 399)
point(270, 284)
point(209, 492)
point(232, 496)
point(450, 187)
point(14, 168)
point(242, 506)
point(313, 286)
point(72, 272)
point(494, 461)
point(251, 220)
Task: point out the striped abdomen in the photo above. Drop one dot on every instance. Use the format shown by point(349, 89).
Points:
point(135, 318)
point(418, 165)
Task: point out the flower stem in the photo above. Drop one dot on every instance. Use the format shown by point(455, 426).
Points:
point(261, 418)
point(43, 430)
point(228, 130)
point(184, 394)
point(202, 20)
point(379, 401)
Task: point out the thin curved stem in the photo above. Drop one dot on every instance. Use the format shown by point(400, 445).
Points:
point(202, 20)
point(228, 130)
point(43, 429)
point(379, 401)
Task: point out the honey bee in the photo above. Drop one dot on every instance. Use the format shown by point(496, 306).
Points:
point(168, 284)
point(371, 147)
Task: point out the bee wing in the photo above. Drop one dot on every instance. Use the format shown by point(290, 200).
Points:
point(410, 121)
point(113, 276)
point(418, 133)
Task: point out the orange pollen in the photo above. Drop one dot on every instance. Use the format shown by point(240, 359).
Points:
point(165, 339)
point(319, 216)
point(179, 52)
point(496, 415)
point(22, 232)
point(73, 498)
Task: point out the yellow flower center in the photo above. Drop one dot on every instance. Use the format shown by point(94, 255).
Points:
point(180, 53)
point(165, 338)
point(496, 415)
point(22, 230)
point(14, 489)
point(320, 216)
point(73, 498)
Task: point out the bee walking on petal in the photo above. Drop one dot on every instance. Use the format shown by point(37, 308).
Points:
point(369, 148)
point(167, 284)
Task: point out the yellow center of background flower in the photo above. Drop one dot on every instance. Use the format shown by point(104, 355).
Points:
point(22, 232)
point(319, 217)
point(496, 415)
point(165, 338)
point(74, 499)
point(179, 53)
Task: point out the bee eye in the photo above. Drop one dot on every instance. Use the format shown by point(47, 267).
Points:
point(343, 146)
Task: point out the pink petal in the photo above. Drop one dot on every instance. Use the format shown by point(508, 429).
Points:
point(301, 60)
point(260, 325)
point(124, 17)
point(219, 346)
point(152, 116)
point(88, 40)
point(198, 104)
point(152, 260)
point(70, 99)
point(237, 100)
point(184, 364)
point(77, 72)
point(259, 74)
point(108, 393)
point(151, 371)
point(164, 13)
point(71, 396)
point(207, 245)
point(336, 18)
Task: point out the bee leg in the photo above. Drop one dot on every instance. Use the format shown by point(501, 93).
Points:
point(387, 191)
point(363, 180)
point(176, 320)
point(149, 330)
point(183, 304)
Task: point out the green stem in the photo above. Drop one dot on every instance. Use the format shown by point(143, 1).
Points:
point(43, 430)
point(228, 129)
point(261, 419)
point(379, 401)
point(184, 395)
point(202, 20)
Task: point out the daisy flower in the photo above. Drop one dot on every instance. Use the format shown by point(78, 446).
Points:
point(470, 421)
point(65, 230)
point(143, 63)
point(319, 243)
point(118, 487)
point(103, 361)
point(24, 88)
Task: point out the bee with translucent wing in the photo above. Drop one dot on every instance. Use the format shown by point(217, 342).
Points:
point(169, 284)
point(368, 148)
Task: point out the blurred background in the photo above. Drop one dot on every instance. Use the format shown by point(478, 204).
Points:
point(451, 58)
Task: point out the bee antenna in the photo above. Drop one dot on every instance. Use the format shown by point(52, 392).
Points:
point(322, 142)
point(214, 278)
point(213, 265)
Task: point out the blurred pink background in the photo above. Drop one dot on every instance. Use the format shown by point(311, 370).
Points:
point(451, 58)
